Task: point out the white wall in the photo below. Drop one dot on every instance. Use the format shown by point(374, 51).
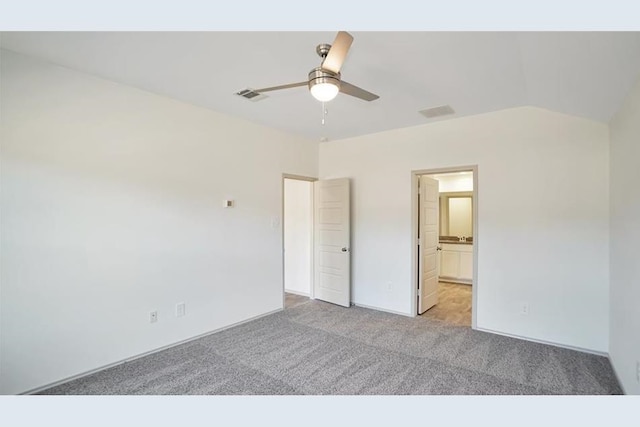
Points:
point(298, 226)
point(112, 208)
point(543, 200)
point(625, 239)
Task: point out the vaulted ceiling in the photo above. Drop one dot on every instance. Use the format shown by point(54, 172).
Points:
point(585, 74)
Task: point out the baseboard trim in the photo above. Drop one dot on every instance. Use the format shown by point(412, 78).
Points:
point(455, 281)
point(555, 344)
point(302, 294)
point(370, 307)
point(147, 353)
point(617, 376)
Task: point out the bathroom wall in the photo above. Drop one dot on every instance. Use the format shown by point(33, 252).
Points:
point(455, 182)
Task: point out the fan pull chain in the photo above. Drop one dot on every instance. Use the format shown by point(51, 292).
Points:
point(324, 113)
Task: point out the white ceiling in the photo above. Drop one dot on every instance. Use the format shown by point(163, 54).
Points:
point(585, 74)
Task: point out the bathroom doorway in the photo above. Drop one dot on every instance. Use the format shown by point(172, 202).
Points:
point(444, 252)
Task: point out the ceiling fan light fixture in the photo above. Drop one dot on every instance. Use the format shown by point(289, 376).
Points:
point(324, 85)
point(324, 92)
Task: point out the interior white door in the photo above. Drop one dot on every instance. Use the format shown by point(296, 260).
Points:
point(429, 237)
point(332, 241)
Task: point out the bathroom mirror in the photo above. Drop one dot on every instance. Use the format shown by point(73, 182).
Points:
point(456, 214)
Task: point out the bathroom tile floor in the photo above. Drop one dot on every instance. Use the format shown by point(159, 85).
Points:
point(292, 300)
point(454, 305)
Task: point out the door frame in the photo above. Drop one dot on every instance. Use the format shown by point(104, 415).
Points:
point(312, 279)
point(415, 176)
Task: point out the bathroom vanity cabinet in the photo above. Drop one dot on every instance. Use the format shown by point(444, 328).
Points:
point(456, 262)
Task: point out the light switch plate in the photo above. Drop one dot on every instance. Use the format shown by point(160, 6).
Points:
point(180, 309)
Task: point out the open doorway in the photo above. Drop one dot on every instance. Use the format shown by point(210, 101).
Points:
point(316, 240)
point(297, 239)
point(444, 210)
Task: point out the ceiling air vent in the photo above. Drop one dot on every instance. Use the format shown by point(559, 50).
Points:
point(251, 95)
point(442, 110)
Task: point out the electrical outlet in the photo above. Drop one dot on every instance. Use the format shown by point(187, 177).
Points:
point(389, 286)
point(153, 317)
point(524, 309)
point(180, 309)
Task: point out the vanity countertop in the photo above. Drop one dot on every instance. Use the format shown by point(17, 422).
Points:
point(455, 240)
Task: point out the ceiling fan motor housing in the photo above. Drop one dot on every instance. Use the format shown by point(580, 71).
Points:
point(323, 49)
point(319, 75)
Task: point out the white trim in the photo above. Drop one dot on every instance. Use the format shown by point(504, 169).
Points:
point(312, 280)
point(555, 344)
point(299, 177)
point(147, 353)
point(302, 294)
point(370, 307)
point(615, 373)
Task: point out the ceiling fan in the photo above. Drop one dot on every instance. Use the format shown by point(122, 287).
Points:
point(324, 81)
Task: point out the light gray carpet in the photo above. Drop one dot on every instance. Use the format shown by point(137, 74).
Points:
point(318, 348)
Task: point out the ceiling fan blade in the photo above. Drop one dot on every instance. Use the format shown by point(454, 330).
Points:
point(289, 86)
point(338, 52)
point(352, 90)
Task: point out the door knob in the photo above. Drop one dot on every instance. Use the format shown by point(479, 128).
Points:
point(439, 248)
point(345, 249)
